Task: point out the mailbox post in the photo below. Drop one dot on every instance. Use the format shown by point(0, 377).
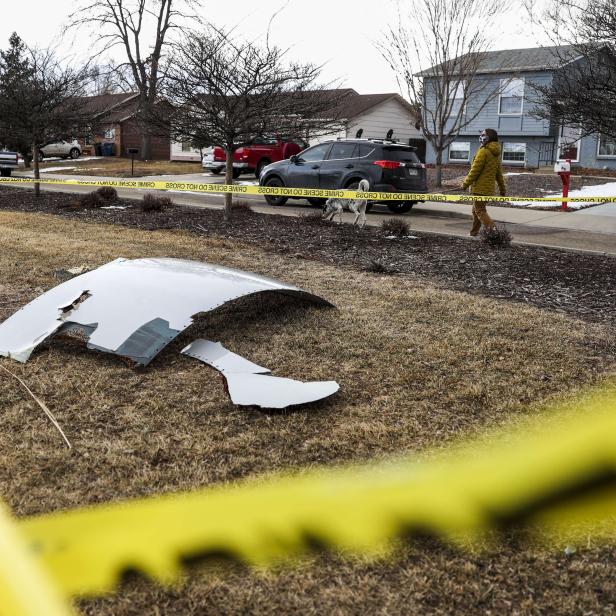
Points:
point(563, 168)
point(132, 152)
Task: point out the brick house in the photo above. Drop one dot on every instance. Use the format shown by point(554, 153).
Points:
point(114, 122)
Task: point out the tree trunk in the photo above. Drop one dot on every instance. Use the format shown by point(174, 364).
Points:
point(144, 119)
point(146, 145)
point(439, 168)
point(228, 180)
point(37, 173)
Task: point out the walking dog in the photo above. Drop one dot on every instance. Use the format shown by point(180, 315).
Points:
point(335, 206)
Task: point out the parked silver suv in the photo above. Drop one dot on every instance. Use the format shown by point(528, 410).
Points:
point(62, 149)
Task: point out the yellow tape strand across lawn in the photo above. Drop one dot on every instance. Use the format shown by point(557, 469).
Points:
point(296, 192)
point(557, 477)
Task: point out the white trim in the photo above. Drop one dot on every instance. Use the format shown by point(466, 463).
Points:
point(459, 160)
point(514, 162)
point(500, 96)
point(604, 156)
point(578, 141)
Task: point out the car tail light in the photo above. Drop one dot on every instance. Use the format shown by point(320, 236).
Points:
point(388, 164)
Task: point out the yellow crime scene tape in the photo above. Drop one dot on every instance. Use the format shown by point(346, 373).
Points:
point(556, 479)
point(305, 193)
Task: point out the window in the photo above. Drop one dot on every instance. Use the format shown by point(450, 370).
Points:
point(187, 146)
point(261, 140)
point(514, 152)
point(460, 151)
point(343, 150)
point(607, 147)
point(456, 91)
point(318, 152)
point(365, 150)
point(511, 97)
point(400, 153)
point(110, 133)
point(569, 143)
point(456, 97)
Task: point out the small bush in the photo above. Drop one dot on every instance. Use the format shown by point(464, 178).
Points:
point(89, 201)
point(496, 237)
point(154, 203)
point(378, 267)
point(107, 193)
point(395, 226)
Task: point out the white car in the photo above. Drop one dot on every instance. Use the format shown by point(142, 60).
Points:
point(8, 162)
point(61, 149)
point(208, 162)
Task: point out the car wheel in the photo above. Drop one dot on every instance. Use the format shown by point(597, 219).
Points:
point(271, 199)
point(236, 173)
point(318, 201)
point(400, 207)
point(216, 171)
point(262, 163)
point(354, 185)
point(74, 153)
point(5, 173)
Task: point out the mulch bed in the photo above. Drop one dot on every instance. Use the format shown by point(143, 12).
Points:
point(580, 285)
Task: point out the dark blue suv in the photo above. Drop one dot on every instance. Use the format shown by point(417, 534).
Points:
point(388, 166)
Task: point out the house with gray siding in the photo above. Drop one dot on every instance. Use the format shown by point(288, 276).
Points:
point(527, 140)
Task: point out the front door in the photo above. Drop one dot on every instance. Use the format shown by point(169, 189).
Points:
point(304, 172)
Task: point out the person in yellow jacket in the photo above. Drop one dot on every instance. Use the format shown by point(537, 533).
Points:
point(485, 172)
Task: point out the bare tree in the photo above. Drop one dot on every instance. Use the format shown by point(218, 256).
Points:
point(583, 90)
point(451, 37)
point(226, 91)
point(127, 24)
point(41, 102)
point(109, 79)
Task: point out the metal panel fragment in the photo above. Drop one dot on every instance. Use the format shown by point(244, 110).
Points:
point(136, 307)
point(215, 355)
point(274, 392)
point(248, 386)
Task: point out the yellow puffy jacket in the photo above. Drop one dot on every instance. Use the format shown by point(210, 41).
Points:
point(486, 170)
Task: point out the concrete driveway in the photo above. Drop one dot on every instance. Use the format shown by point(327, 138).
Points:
point(589, 230)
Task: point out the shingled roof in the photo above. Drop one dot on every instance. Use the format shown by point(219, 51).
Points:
point(519, 60)
point(104, 103)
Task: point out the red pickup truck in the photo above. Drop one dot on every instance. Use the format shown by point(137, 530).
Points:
point(253, 157)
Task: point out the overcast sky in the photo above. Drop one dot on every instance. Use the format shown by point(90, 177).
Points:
point(337, 33)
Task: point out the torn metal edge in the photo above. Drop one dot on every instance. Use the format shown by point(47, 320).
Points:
point(247, 385)
point(133, 284)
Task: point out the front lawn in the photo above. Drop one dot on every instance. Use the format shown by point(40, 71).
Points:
point(112, 166)
point(421, 363)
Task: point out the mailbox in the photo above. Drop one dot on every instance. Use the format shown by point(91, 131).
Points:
point(563, 169)
point(562, 166)
point(132, 150)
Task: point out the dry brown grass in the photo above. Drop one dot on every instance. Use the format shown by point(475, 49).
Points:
point(419, 367)
point(120, 167)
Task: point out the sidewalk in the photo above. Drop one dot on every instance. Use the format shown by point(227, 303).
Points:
point(590, 230)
